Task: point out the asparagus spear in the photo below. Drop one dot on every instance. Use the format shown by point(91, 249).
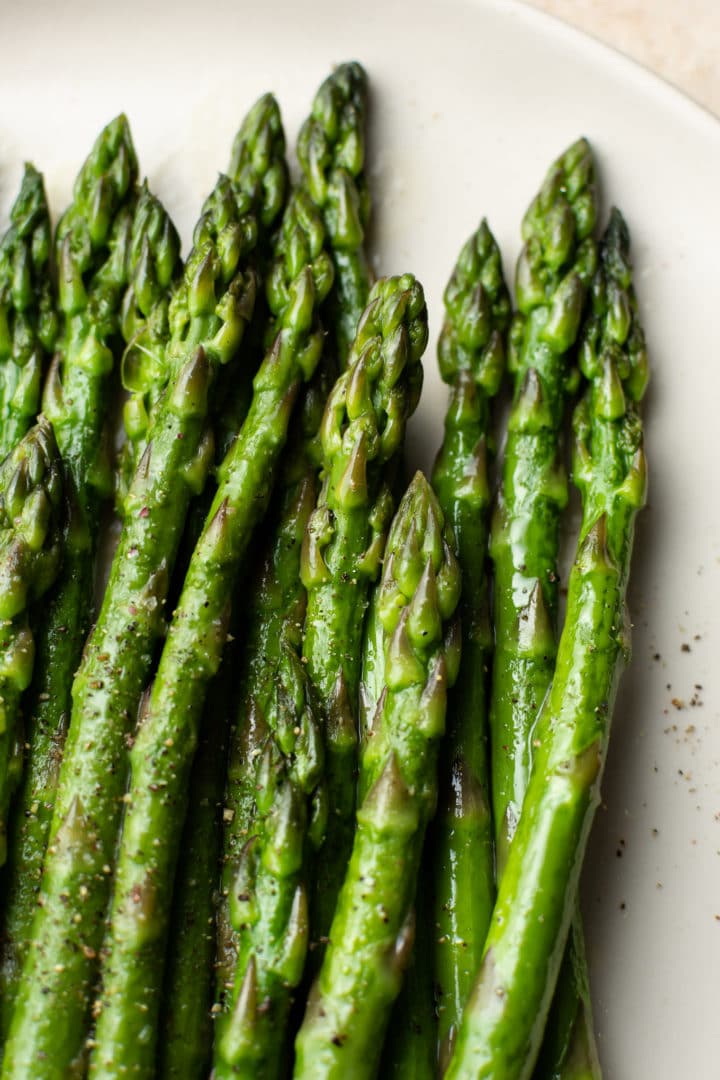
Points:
point(362, 430)
point(259, 173)
point(277, 605)
point(30, 554)
point(162, 753)
point(503, 1022)
point(92, 245)
point(331, 151)
point(553, 272)
point(471, 356)
point(28, 320)
point(274, 618)
point(410, 1051)
point(208, 320)
point(145, 326)
point(185, 1041)
point(268, 898)
point(371, 935)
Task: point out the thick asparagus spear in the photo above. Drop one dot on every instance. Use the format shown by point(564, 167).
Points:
point(28, 319)
point(30, 554)
point(268, 898)
point(371, 935)
point(471, 355)
point(49, 1020)
point(162, 753)
point(331, 151)
point(362, 430)
point(92, 247)
point(503, 1022)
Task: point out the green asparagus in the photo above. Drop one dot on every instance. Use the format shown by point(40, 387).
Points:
point(145, 326)
point(258, 171)
point(361, 433)
point(554, 270)
point(553, 273)
point(331, 151)
point(503, 1022)
point(472, 359)
point(162, 752)
point(185, 1040)
point(28, 320)
point(30, 554)
point(92, 255)
point(208, 318)
point(371, 933)
point(268, 898)
point(274, 619)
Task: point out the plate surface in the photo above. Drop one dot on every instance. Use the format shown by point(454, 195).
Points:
point(471, 102)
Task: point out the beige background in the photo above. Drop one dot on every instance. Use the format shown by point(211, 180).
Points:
point(678, 39)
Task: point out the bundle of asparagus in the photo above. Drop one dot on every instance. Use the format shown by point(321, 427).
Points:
point(311, 797)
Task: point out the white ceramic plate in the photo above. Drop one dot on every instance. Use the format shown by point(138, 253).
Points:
point(471, 102)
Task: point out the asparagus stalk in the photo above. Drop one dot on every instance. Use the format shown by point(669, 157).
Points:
point(503, 1022)
point(185, 1042)
point(163, 750)
point(274, 618)
point(331, 151)
point(362, 431)
point(208, 319)
point(28, 320)
point(472, 359)
point(268, 899)
point(145, 326)
point(30, 554)
point(92, 246)
point(410, 1051)
point(553, 272)
point(277, 605)
point(157, 301)
point(371, 935)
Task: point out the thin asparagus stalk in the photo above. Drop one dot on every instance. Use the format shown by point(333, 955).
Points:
point(275, 619)
point(145, 326)
point(49, 1023)
point(371, 934)
point(268, 899)
point(30, 555)
point(410, 1051)
point(163, 750)
point(28, 319)
point(92, 255)
point(186, 1031)
point(472, 359)
point(331, 151)
point(503, 1022)
point(553, 273)
point(362, 431)
point(259, 172)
